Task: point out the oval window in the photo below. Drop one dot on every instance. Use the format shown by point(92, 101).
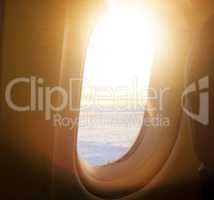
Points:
point(116, 79)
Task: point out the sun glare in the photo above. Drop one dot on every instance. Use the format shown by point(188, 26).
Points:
point(121, 49)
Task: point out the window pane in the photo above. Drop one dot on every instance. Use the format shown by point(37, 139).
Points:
point(116, 79)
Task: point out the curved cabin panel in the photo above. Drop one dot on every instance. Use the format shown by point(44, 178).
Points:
point(43, 45)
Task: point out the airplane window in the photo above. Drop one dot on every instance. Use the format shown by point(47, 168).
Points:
point(116, 79)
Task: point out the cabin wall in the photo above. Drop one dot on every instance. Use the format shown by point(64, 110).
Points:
point(32, 45)
point(1, 41)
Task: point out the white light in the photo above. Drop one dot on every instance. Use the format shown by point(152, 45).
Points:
point(121, 47)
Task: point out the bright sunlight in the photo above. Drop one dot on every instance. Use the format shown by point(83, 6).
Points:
point(117, 68)
point(121, 47)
